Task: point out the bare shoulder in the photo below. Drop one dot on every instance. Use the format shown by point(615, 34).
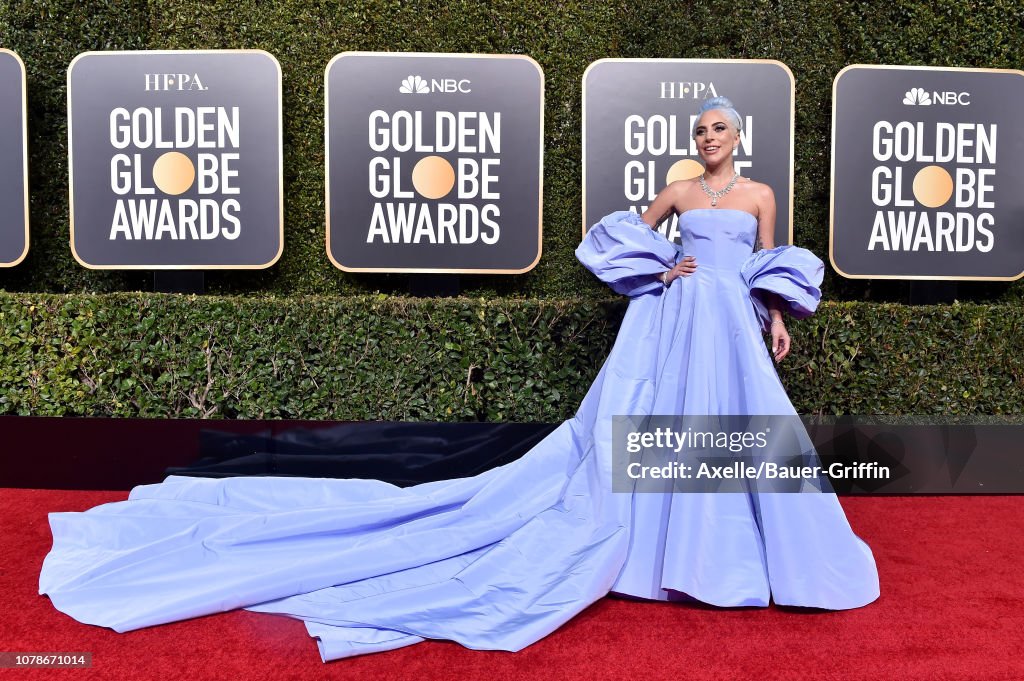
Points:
point(687, 194)
point(681, 189)
point(756, 189)
point(759, 193)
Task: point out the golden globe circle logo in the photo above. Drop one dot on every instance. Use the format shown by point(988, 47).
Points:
point(686, 169)
point(433, 162)
point(174, 173)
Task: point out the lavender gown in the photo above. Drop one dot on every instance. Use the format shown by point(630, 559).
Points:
point(500, 560)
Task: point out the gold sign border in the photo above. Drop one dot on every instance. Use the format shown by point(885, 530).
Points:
point(327, 164)
point(280, 163)
point(24, 152)
point(792, 116)
point(832, 178)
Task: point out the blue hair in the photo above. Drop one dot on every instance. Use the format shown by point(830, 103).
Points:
point(725, 106)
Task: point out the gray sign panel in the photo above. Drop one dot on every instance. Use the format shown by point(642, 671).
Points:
point(175, 159)
point(637, 118)
point(434, 162)
point(13, 161)
point(926, 173)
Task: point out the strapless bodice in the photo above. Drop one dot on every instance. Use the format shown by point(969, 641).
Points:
point(624, 252)
point(719, 238)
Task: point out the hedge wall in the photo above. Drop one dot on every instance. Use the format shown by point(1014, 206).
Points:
point(518, 348)
point(814, 37)
point(393, 358)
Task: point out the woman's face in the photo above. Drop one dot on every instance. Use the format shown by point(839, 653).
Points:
point(715, 137)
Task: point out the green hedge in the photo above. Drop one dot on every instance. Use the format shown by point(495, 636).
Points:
point(814, 37)
point(386, 357)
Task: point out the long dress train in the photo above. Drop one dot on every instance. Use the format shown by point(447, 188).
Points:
point(501, 559)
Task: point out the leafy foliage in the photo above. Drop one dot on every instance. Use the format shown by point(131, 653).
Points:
point(456, 359)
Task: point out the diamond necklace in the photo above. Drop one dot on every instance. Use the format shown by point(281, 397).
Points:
point(715, 195)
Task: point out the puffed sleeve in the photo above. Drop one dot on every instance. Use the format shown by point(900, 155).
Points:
point(792, 273)
point(625, 253)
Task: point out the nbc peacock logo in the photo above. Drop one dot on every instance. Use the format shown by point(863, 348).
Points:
point(414, 85)
point(917, 96)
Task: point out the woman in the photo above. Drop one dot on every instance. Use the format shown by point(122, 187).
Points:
point(703, 351)
point(499, 560)
point(717, 134)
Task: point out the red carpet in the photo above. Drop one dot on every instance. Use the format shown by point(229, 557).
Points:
point(952, 607)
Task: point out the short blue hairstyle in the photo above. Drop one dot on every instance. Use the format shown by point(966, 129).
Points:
point(722, 104)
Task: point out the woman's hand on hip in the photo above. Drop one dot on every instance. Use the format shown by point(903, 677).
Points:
point(683, 268)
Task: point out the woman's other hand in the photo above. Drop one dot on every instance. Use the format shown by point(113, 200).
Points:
point(780, 340)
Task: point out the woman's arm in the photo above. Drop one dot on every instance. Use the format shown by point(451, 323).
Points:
point(766, 239)
point(663, 206)
point(765, 218)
